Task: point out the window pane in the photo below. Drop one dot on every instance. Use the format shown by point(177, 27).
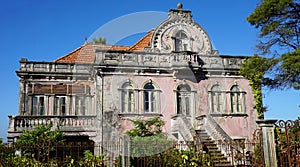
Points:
point(187, 105)
point(34, 106)
point(219, 102)
point(131, 101)
point(233, 102)
point(56, 106)
point(149, 98)
point(179, 106)
point(63, 105)
point(41, 105)
point(214, 102)
point(183, 99)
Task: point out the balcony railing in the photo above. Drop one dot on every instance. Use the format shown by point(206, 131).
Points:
point(65, 123)
point(168, 60)
point(28, 66)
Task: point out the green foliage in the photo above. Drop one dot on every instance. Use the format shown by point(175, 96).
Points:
point(91, 160)
point(279, 24)
point(149, 127)
point(99, 40)
point(254, 69)
point(149, 145)
point(174, 157)
point(278, 20)
point(190, 158)
point(39, 142)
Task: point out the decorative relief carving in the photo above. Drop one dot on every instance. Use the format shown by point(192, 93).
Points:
point(164, 38)
point(163, 59)
point(111, 57)
point(129, 57)
point(215, 62)
point(234, 61)
point(149, 58)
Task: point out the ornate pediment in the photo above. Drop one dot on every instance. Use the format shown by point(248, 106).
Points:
point(180, 33)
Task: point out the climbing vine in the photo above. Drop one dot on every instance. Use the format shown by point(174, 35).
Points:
point(254, 69)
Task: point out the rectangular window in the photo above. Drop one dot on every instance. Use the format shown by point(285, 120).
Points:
point(59, 105)
point(38, 105)
point(80, 105)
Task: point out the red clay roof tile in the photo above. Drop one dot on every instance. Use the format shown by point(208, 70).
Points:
point(86, 53)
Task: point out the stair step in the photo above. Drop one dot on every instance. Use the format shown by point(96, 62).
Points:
point(210, 146)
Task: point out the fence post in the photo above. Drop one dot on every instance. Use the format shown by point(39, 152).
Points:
point(268, 141)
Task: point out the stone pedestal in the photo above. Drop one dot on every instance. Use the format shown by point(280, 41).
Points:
point(268, 142)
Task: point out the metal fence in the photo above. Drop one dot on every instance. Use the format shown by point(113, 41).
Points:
point(287, 138)
point(215, 153)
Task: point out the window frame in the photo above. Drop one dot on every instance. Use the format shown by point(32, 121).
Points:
point(60, 109)
point(184, 96)
point(150, 99)
point(81, 105)
point(237, 98)
point(216, 99)
point(181, 41)
point(128, 98)
point(39, 106)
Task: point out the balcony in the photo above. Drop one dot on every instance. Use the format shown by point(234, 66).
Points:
point(46, 67)
point(67, 124)
point(174, 59)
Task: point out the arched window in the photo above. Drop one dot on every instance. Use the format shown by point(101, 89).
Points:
point(183, 96)
point(236, 98)
point(181, 41)
point(128, 98)
point(150, 98)
point(216, 99)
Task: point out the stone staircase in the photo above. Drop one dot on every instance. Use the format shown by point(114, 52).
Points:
point(210, 147)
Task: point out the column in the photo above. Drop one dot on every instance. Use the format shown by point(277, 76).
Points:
point(268, 142)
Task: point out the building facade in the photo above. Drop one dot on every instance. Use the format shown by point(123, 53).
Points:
point(173, 72)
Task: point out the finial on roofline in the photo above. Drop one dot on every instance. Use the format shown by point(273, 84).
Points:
point(179, 6)
point(86, 41)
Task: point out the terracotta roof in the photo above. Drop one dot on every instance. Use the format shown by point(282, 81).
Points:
point(114, 47)
point(87, 52)
point(84, 54)
point(142, 43)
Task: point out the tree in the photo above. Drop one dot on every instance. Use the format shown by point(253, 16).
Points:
point(279, 25)
point(150, 147)
point(147, 138)
point(99, 40)
point(39, 142)
point(149, 127)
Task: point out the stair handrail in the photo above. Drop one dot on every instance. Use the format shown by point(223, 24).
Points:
point(185, 128)
point(212, 128)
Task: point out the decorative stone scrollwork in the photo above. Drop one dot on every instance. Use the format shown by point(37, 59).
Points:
point(111, 57)
point(149, 58)
point(129, 57)
point(165, 38)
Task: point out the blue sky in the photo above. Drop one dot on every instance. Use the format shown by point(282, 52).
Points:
point(45, 30)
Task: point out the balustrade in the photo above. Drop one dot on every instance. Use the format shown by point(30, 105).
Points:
point(21, 123)
point(53, 67)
